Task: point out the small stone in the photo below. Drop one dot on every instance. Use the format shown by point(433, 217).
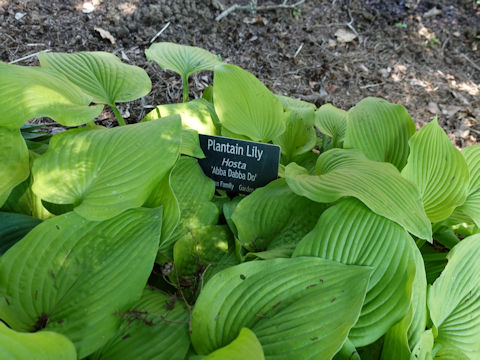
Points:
point(88, 7)
point(19, 15)
point(433, 108)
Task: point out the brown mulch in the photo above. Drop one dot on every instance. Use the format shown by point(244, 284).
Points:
point(422, 54)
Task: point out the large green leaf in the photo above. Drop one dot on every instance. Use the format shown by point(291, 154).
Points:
point(154, 328)
point(29, 92)
point(14, 163)
point(378, 185)
point(184, 60)
point(71, 275)
point(439, 170)
point(454, 299)
point(195, 115)
point(403, 336)
point(350, 233)
point(99, 74)
point(298, 308)
point(380, 130)
point(43, 345)
point(13, 227)
point(245, 106)
point(245, 346)
point(332, 122)
point(273, 216)
point(471, 206)
point(106, 171)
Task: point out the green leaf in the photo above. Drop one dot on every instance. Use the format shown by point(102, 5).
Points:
point(201, 248)
point(298, 308)
point(245, 346)
point(194, 192)
point(435, 262)
point(14, 163)
point(195, 115)
point(22, 200)
point(378, 185)
point(403, 336)
point(424, 347)
point(274, 216)
point(380, 130)
point(29, 92)
point(299, 136)
point(99, 74)
point(245, 106)
point(153, 328)
point(350, 233)
point(454, 299)
point(191, 144)
point(184, 60)
point(163, 196)
point(13, 227)
point(71, 275)
point(439, 170)
point(299, 106)
point(471, 206)
point(347, 352)
point(106, 171)
point(472, 158)
point(450, 353)
point(43, 345)
point(332, 122)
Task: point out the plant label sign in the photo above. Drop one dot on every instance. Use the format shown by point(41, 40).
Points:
point(238, 166)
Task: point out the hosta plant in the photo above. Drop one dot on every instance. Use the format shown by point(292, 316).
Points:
point(114, 244)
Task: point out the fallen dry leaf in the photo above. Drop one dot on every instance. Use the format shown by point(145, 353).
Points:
point(105, 34)
point(345, 36)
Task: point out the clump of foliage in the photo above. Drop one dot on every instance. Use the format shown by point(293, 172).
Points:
point(115, 245)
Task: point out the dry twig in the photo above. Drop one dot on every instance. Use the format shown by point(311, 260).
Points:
point(28, 56)
point(471, 62)
point(160, 32)
point(235, 7)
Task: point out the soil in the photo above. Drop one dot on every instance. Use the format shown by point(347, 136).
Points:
point(421, 54)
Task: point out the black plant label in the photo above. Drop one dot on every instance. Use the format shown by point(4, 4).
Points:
point(238, 166)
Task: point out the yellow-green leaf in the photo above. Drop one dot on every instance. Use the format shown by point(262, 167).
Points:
point(72, 276)
point(378, 185)
point(14, 162)
point(43, 345)
point(103, 172)
point(245, 106)
point(380, 130)
point(99, 74)
point(438, 169)
point(29, 92)
point(454, 299)
point(245, 346)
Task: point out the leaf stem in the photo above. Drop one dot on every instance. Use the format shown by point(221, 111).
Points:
point(185, 89)
point(118, 116)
